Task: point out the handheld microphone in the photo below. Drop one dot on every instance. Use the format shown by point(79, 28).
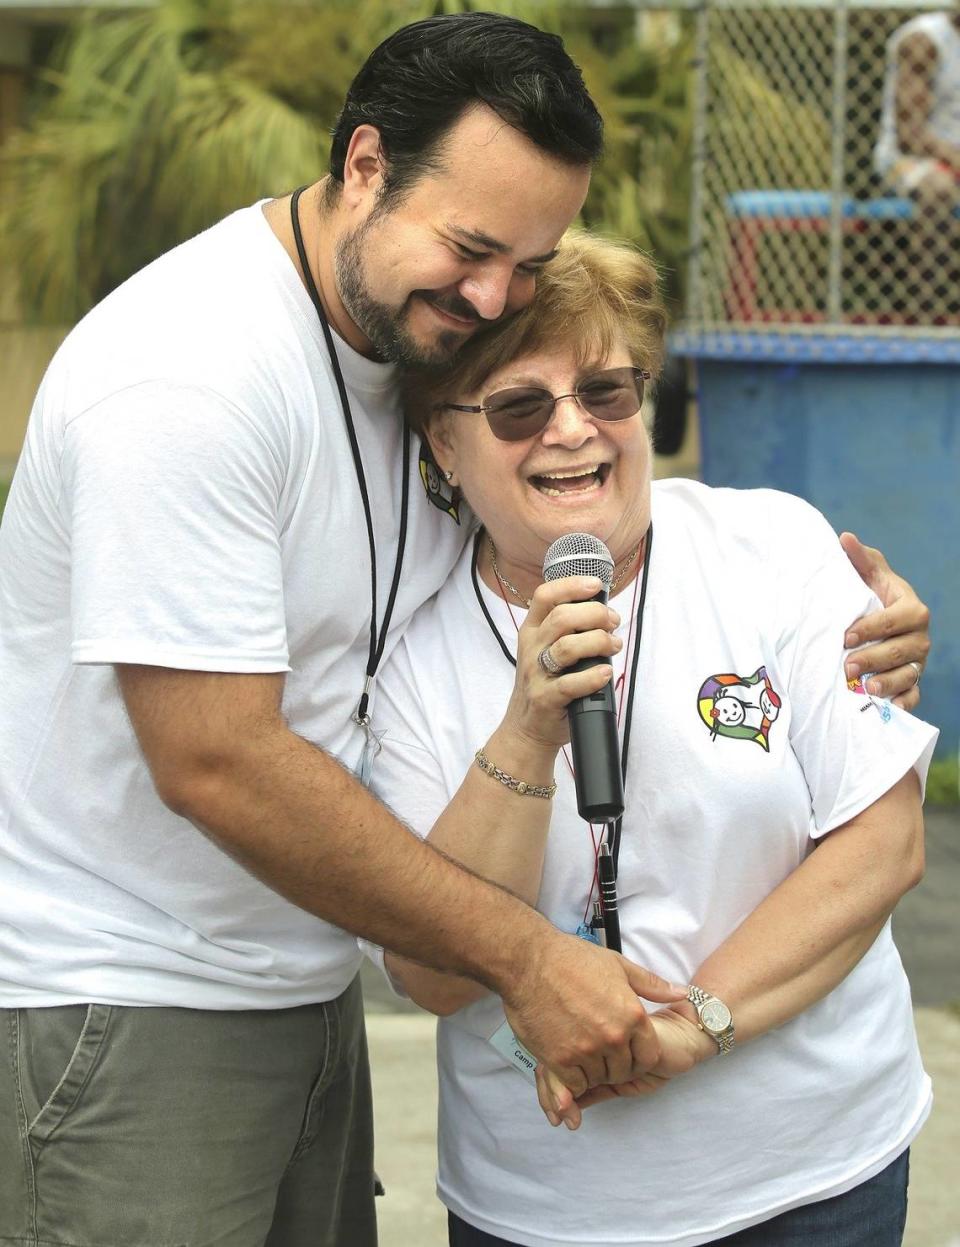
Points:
point(593, 719)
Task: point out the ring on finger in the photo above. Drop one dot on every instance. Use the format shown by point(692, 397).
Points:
point(917, 668)
point(547, 662)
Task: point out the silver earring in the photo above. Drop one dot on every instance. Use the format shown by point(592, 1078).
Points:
point(447, 474)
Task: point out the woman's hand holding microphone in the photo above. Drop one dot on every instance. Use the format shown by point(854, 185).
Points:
point(563, 625)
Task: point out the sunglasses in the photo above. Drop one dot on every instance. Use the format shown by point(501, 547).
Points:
point(526, 410)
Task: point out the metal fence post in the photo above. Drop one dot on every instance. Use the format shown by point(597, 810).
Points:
point(837, 158)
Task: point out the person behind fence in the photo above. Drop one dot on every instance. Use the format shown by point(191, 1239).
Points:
point(773, 809)
point(918, 150)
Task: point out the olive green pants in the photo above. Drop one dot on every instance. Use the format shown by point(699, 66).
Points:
point(124, 1127)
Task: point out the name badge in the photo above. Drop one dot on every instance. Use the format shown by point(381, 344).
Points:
point(510, 1047)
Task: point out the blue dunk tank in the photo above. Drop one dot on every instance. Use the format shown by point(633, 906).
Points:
point(823, 298)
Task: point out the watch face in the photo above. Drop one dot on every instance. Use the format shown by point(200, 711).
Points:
point(715, 1016)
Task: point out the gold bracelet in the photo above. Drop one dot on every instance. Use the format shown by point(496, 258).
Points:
point(520, 786)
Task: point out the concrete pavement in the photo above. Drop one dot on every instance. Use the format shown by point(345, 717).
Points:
point(927, 927)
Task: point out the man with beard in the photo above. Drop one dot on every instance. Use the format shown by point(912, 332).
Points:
point(208, 551)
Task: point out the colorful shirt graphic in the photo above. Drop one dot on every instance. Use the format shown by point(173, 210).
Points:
point(859, 685)
point(742, 707)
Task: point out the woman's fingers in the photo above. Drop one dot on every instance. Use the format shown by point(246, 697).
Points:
point(896, 634)
point(895, 593)
point(870, 564)
point(646, 1085)
point(568, 628)
point(892, 639)
point(893, 666)
point(569, 619)
point(909, 700)
point(563, 628)
point(554, 593)
point(568, 650)
point(556, 1099)
point(899, 684)
point(890, 653)
point(567, 634)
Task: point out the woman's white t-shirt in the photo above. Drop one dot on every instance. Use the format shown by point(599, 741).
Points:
point(186, 498)
point(739, 583)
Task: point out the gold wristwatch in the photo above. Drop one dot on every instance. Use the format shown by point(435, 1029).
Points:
point(715, 1019)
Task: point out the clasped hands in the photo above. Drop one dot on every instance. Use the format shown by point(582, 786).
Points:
point(680, 1046)
point(580, 1009)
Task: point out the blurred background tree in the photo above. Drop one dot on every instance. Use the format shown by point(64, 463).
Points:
point(150, 125)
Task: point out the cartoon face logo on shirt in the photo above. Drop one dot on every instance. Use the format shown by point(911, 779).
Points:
point(740, 707)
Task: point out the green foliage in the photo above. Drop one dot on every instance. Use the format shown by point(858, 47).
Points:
point(156, 124)
point(152, 125)
point(641, 189)
point(943, 782)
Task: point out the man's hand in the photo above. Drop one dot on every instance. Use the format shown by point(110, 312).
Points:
point(576, 1008)
point(682, 1046)
point(896, 636)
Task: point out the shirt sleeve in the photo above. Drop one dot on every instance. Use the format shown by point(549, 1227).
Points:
point(406, 776)
point(852, 747)
point(171, 497)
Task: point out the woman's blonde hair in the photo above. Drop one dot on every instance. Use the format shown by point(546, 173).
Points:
point(594, 294)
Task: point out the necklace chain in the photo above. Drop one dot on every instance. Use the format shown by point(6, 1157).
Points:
point(614, 583)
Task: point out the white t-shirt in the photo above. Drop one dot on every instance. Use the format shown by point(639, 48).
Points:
point(738, 582)
point(944, 119)
point(186, 498)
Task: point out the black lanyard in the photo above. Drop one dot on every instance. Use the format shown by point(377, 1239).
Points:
point(615, 831)
point(378, 637)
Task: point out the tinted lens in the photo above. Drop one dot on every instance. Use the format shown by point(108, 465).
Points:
point(614, 394)
point(517, 414)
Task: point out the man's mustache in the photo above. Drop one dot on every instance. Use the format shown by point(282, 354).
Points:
point(455, 304)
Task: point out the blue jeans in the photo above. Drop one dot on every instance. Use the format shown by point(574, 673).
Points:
point(871, 1215)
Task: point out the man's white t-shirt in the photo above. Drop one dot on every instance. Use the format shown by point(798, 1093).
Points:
point(748, 598)
point(186, 498)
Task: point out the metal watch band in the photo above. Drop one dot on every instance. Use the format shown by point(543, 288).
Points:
point(698, 998)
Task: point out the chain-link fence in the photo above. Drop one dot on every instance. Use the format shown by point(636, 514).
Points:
point(808, 206)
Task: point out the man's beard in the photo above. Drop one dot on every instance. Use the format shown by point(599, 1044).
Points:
point(385, 326)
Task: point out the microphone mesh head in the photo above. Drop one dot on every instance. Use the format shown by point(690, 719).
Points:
point(578, 554)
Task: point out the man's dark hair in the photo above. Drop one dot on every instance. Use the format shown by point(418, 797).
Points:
point(419, 81)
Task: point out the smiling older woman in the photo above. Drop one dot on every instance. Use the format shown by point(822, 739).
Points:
point(772, 810)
